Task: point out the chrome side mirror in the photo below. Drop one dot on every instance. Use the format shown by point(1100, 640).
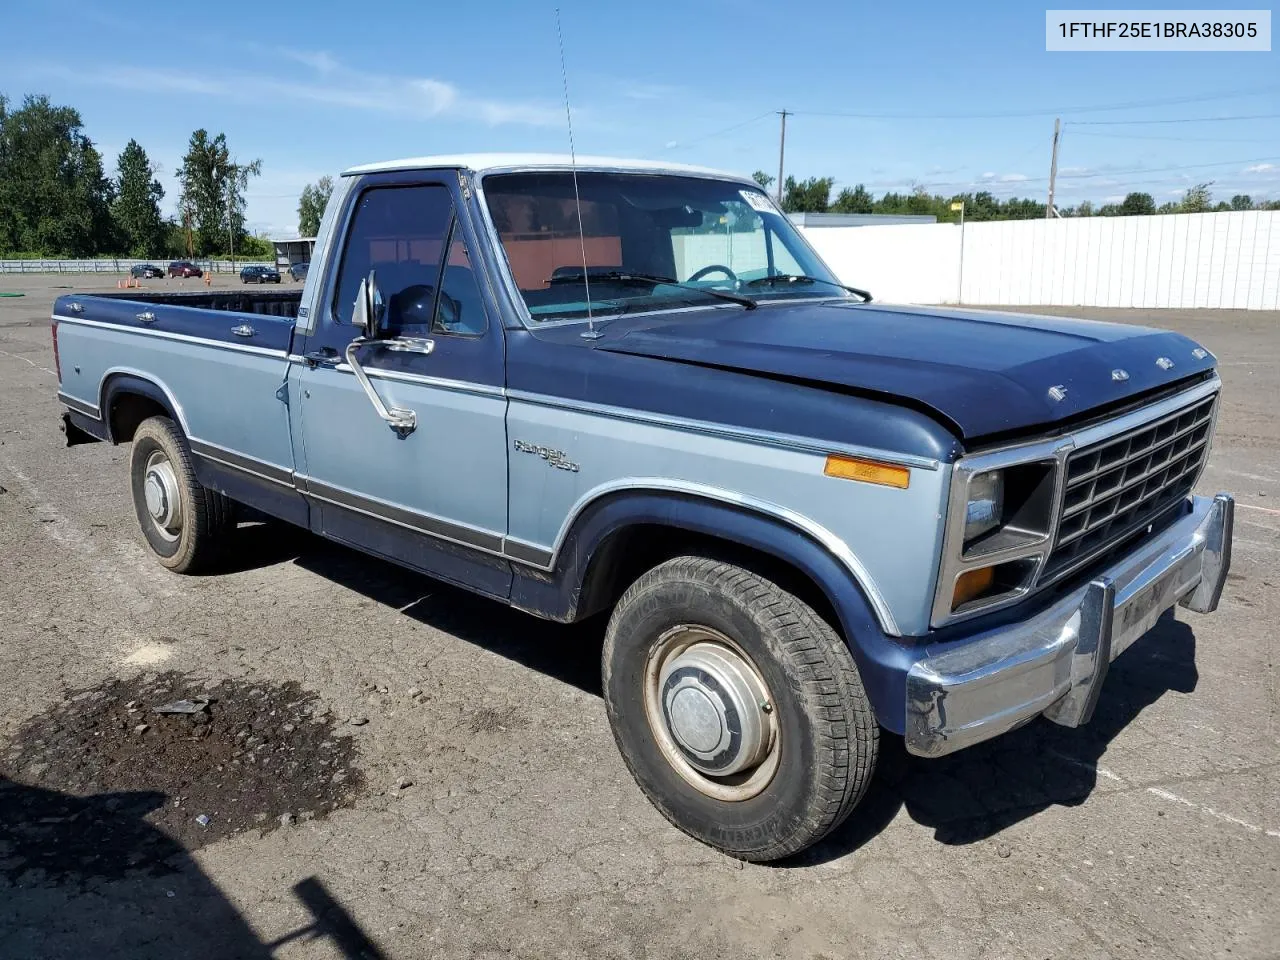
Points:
point(370, 311)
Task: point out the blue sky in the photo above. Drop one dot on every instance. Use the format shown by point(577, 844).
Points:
point(952, 96)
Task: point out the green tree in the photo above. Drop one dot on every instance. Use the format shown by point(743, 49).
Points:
point(1137, 204)
point(1020, 209)
point(855, 200)
point(1197, 199)
point(920, 202)
point(136, 209)
point(763, 179)
point(54, 197)
point(211, 200)
point(311, 206)
point(811, 196)
point(1242, 201)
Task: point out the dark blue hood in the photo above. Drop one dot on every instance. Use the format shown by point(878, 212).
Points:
point(985, 373)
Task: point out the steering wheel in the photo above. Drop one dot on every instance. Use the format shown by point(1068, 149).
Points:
point(712, 268)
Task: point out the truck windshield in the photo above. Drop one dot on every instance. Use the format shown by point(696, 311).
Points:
point(704, 236)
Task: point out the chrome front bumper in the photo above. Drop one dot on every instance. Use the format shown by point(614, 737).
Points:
point(1055, 662)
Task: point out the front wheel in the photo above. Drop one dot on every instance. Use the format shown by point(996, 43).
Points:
point(737, 708)
point(185, 523)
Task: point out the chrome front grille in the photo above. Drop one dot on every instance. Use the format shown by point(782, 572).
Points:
point(1115, 488)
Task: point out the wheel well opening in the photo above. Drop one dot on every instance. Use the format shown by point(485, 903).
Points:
point(128, 411)
point(629, 552)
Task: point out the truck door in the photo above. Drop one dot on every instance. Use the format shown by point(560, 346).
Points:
point(435, 497)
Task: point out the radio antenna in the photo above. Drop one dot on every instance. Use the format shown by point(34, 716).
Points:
point(592, 333)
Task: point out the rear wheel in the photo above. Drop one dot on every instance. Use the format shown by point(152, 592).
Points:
point(185, 523)
point(738, 709)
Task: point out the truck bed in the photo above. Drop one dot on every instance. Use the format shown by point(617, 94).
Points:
point(271, 303)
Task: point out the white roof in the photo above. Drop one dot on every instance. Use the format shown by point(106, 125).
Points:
point(486, 162)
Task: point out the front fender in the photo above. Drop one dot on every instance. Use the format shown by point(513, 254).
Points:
point(564, 594)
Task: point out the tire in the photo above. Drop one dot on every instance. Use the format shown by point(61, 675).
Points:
point(204, 518)
point(824, 738)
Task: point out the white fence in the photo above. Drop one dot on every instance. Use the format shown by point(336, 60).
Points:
point(1219, 260)
point(120, 266)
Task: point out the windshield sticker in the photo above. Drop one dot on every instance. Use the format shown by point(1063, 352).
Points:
point(757, 201)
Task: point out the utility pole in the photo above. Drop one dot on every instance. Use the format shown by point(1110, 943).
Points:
point(782, 152)
point(1049, 212)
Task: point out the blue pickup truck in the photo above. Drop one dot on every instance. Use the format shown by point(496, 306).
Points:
point(634, 390)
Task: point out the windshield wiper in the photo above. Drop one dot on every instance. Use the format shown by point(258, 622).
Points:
point(801, 278)
point(622, 276)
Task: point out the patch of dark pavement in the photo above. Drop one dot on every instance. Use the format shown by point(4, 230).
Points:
point(250, 756)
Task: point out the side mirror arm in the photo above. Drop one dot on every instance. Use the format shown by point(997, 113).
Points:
point(403, 422)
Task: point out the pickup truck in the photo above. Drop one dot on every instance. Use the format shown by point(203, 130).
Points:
point(634, 390)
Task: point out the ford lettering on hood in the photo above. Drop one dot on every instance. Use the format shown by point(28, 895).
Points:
point(985, 373)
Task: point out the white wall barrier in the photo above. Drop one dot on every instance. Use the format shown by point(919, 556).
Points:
point(1227, 260)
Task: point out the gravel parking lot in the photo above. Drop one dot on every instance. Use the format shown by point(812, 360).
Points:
point(493, 815)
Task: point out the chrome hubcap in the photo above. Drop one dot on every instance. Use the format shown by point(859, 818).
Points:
point(711, 713)
point(160, 490)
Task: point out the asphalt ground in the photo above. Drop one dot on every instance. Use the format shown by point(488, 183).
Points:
point(496, 818)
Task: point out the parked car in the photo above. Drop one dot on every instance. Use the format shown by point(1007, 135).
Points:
point(146, 271)
point(298, 271)
point(259, 273)
point(810, 518)
point(184, 268)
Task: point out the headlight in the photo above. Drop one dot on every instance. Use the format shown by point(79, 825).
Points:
point(986, 504)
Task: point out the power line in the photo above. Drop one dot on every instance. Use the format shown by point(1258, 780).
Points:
point(1139, 136)
point(1125, 123)
point(681, 144)
point(1046, 111)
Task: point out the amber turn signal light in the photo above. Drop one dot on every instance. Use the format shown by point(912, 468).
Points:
point(868, 471)
point(972, 584)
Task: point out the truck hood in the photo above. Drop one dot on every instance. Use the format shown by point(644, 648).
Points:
point(983, 372)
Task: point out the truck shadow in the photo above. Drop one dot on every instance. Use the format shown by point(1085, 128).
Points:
point(90, 877)
point(965, 798)
point(976, 793)
point(568, 652)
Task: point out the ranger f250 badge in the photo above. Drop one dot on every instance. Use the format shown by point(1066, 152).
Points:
point(556, 458)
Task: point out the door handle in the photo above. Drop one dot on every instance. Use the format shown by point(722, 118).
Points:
point(402, 421)
point(243, 330)
point(420, 345)
point(147, 317)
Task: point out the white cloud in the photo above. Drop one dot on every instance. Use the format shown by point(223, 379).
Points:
point(672, 144)
point(1013, 177)
point(650, 91)
point(332, 85)
point(320, 61)
point(1261, 168)
point(989, 175)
